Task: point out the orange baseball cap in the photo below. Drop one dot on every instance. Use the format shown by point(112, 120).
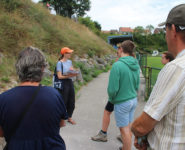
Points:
point(66, 50)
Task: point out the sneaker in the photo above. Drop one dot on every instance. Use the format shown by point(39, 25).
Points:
point(100, 137)
point(119, 137)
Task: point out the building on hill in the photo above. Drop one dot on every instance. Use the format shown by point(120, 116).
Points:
point(125, 30)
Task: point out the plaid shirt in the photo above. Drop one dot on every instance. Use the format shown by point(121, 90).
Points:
point(167, 105)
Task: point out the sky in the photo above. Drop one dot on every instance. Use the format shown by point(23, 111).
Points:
point(112, 14)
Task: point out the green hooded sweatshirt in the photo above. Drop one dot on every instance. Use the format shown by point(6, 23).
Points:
point(124, 80)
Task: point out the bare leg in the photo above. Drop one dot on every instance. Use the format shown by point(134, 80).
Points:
point(127, 137)
point(106, 120)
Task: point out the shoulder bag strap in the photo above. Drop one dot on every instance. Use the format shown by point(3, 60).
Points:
point(24, 113)
point(62, 68)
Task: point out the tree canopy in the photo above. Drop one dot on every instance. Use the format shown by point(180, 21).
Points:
point(67, 8)
point(148, 42)
point(92, 25)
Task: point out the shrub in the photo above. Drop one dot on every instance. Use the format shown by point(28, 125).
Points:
point(91, 53)
point(107, 68)
point(5, 79)
point(87, 78)
point(47, 81)
point(95, 73)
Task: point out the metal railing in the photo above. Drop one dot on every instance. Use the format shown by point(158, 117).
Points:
point(150, 73)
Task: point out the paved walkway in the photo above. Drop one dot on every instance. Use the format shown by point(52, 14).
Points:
point(88, 115)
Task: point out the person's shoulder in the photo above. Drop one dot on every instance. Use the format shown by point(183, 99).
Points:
point(180, 61)
point(117, 63)
point(59, 62)
point(49, 89)
point(8, 93)
point(12, 90)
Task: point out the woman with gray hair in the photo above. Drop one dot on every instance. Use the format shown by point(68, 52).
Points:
point(31, 114)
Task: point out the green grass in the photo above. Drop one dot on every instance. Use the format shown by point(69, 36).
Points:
point(156, 65)
point(154, 62)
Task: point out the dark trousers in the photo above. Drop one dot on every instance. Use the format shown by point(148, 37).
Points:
point(68, 94)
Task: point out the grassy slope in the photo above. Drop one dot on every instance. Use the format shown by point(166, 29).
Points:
point(23, 23)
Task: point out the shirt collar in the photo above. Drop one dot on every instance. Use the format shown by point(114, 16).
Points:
point(181, 53)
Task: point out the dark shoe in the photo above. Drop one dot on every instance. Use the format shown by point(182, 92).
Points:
point(120, 148)
point(100, 137)
point(119, 138)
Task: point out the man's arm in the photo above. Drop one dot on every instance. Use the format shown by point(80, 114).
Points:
point(143, 125)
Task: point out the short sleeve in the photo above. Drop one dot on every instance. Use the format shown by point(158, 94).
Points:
point(59, 66)
point(166, 92)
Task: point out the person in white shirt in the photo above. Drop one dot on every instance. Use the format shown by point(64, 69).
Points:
point(163, 118)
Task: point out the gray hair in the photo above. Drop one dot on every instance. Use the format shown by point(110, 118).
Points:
point(30, 64)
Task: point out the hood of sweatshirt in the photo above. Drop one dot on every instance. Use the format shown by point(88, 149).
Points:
point(131, 62)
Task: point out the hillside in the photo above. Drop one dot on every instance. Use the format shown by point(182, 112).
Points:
point(24, 23)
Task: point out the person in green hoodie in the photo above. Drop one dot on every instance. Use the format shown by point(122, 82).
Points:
point(122, 90)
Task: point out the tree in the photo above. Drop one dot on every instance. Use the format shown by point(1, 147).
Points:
point(97, 25)
point(92, 25)
point(139, 30)
point(150, 28)
point(67, 8)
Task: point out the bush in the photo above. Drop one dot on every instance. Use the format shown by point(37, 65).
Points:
point(107, 68)
point(5, 79)
point(47, 81)
point(95, 73)
point(82, 67)
point(87, 78)
point(91, 53)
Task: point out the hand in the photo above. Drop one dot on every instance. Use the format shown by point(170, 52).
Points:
point(142, 145)
point(62, 123)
